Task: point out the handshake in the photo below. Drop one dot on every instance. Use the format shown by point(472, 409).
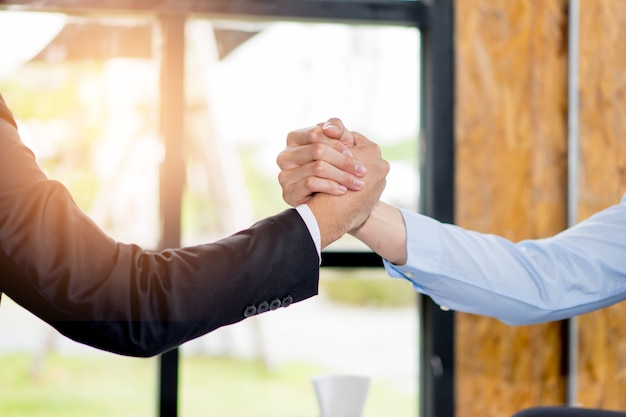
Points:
point(340, 176)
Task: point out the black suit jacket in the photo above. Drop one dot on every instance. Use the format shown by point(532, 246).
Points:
point(57, 263)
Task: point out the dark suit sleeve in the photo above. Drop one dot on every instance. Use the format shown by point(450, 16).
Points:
point(58, 264)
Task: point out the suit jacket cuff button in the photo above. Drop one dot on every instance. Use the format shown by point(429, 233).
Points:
point(287, 301)
point(249, 311)
point(276, 303)
point(263, 307)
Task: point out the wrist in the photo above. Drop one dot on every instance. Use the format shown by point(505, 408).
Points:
point(385, 233)
point(333, 222)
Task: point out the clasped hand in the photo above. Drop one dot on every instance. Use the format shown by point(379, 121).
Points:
point(329, 159)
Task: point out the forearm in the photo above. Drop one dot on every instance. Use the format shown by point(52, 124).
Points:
point(59, 265)
point(576, 271)
point(123, 299)
point(384, 232)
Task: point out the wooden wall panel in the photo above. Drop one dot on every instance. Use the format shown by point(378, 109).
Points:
point(602, 360)
point(511, 93)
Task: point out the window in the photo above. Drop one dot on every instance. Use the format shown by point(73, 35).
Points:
point(87, 100)
point(241, 105)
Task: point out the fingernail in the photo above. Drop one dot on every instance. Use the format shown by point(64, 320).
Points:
point(358, 183)
point(346, 151)
point(359, 169)
point(330, 126)
point(342, 189)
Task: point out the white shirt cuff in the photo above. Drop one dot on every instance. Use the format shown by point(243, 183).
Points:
point(311, 223)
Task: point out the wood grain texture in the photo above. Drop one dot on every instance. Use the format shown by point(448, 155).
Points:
point(602, 182)
point(511, 139)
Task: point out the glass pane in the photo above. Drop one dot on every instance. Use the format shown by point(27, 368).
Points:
point(86, 100)
point(248, 85)
point(361, 324)
point(84, 91)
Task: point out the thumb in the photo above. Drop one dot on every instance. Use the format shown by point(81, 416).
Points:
point(335, 129)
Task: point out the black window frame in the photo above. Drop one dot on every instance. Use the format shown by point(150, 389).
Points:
point(435, 20)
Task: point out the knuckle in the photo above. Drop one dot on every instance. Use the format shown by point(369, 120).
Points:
point(347, 163)
point(317, 168)
point(338, 146)
point(316, 134)
point(318, 151)
point(292, 137)
point(281, 178)
point(309, 183)
point(280, 160)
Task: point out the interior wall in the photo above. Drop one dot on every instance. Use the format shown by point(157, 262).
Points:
point(602, 359)
point(511, 138)
point(511, 179)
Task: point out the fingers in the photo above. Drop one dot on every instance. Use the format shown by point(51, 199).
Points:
point(329, 141)
point(318, 159)
point(323, 162)
point(301, 191)
point(370, 153)
point(301, 182)
point(334, 154)
point(375, 180)
point(335, 129)
point(337, 215)
point(314, 134)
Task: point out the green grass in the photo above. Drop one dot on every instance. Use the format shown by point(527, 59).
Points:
point(366, 287)
point(108, 385)
point(77, 386)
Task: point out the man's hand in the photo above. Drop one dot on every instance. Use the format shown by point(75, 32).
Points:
point(319, 167)
point(314, 171)
point(319, 159)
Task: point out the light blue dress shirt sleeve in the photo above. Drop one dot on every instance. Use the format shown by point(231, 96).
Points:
point(577, 271)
